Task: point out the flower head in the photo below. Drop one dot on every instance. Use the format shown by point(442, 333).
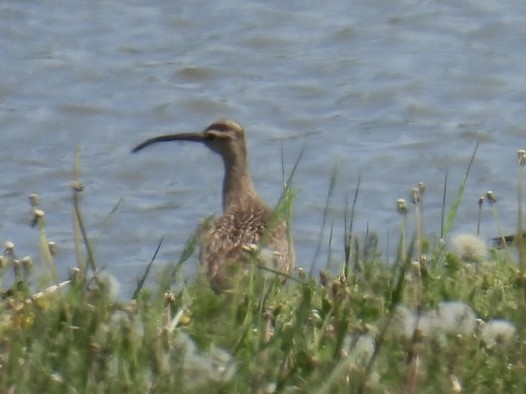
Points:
point(472, 249)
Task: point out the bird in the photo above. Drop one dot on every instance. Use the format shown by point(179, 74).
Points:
point(247, 224)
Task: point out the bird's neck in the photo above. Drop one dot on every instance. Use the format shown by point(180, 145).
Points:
point(238, 189)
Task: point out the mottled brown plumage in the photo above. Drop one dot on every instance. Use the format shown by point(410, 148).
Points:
point(247, 223)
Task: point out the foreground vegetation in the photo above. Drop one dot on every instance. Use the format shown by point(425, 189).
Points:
point(437, 319)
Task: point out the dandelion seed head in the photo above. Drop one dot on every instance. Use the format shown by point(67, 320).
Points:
point(498, 332)
point(470, 247)
point(455, 318)
point(9, 247)
point(111, 283)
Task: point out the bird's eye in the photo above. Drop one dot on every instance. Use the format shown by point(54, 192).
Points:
point(211, 137)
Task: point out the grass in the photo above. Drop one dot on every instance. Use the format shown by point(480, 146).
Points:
point(436, 319)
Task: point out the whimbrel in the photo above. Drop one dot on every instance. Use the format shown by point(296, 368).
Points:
point(247, 221)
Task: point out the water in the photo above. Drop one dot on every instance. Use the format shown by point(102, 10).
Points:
point(398, 92)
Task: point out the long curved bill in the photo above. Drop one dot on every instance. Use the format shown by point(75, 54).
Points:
point(195, 137)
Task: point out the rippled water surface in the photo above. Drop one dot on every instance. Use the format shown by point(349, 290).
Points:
point(396, 91)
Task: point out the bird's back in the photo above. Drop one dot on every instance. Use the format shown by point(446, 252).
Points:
point(226, 243)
